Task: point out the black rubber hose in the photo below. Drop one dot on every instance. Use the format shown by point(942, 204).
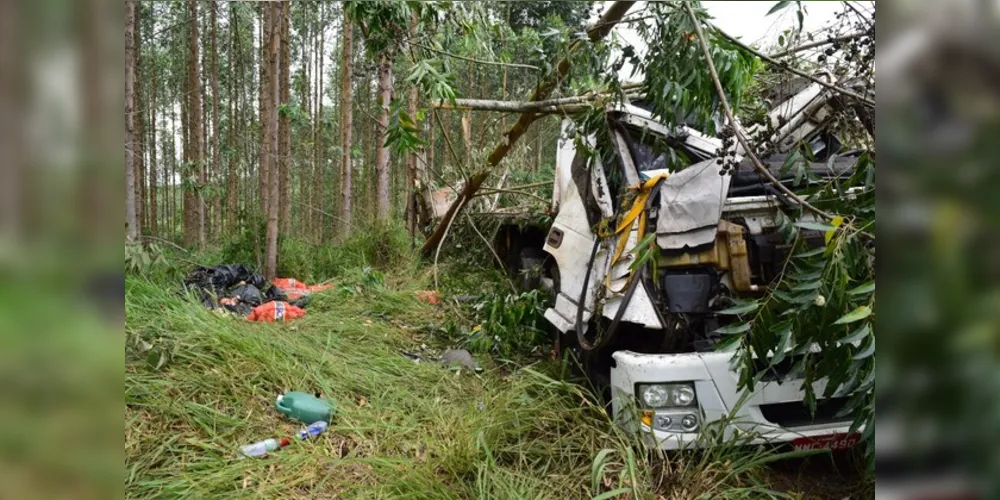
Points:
point(610, 334)
point(587, 346)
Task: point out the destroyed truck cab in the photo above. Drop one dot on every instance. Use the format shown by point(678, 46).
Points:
point(655, 356)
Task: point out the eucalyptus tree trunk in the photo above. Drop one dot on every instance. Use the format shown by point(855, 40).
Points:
point(140, 133)
point(231, 185)
point(216, 168)
point(284, 123)
point(347, 126)
point(319, 193)
point(266, 155)
point(273, 87)
point(131, 222)
point(382, 158)
point(154, 211)
point(192, 166)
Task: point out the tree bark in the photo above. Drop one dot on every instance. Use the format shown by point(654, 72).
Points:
point(140, 128)
point(347, 126)
point(231, 185)
point(131, 223)
point(595, 32)
point(154, 211)
point(274, 53)
point(216, 166)
point(382, 158)
point(192, 167)
point(310, 48)
point(284, 123)
point(318, 185)
point(266, 155)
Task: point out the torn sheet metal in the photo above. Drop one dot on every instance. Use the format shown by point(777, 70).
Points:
point(691, 203)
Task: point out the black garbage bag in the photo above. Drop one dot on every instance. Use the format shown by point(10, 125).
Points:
point(247, 293)
point(211, 283)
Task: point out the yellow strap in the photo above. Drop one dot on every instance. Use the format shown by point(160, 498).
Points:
point(637, 210)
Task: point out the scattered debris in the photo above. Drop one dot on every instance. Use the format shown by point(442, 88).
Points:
point(237, 289)
point(261, 448)
point(305, 407)
point(460, 357)
point(432, 297)
point(415, 357)
point(275, 311)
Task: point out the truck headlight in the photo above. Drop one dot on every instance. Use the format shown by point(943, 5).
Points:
point(666, 395)
point(682, 395)
point(655, 396)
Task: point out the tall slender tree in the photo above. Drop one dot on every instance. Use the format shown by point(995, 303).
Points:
point(231, 173)
point(346, 123)
point(131, 221)
point(318, 170)
point(216, 168)
point(265, 155)
point(140, 134)
point(284, 122)
point(382, 157)
point(193, 230)
point(273, 88)
point(154, 211)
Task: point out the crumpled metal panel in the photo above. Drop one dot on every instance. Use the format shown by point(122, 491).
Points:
point(691, 203)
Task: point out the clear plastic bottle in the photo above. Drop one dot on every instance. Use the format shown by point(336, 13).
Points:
point(261, 448)
point(314, 429)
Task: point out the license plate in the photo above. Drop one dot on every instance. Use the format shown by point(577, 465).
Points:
point(834, 442)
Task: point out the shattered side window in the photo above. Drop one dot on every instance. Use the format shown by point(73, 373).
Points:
point(648, 153)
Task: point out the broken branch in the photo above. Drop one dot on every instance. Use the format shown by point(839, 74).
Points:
point(820, 43)
point(786, 67)
point(731, 118)
point(544, 89)
point(478, 61)
point(560, 105)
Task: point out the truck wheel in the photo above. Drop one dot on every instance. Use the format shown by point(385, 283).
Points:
point(530, 267)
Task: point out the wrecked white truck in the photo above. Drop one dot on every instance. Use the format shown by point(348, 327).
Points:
point(646, 333)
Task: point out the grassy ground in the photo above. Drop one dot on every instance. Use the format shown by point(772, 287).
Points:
point(402, 429)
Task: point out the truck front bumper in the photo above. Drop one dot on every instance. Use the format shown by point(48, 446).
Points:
point(773, 413)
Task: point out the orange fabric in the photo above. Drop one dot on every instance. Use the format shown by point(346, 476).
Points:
point(320, 288)
point(432, 297)
point(275, 311)
point(295, 289)
point(289, 284)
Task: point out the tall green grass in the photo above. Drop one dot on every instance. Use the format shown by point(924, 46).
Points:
point(402, 429)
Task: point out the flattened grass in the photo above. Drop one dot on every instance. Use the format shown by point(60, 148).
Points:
point(402, 429)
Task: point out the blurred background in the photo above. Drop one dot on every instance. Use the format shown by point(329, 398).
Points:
point(61, 291)
point(938, 413)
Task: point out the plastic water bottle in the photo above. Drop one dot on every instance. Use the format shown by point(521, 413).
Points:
point(314, 429)
point(261, 448)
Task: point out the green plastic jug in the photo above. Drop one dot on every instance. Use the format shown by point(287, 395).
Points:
point(304, 407)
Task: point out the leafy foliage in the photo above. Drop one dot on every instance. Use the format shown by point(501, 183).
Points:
point(821, 315)
point(677, 81)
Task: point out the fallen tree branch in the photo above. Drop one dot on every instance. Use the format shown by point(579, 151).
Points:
point(544, 89)
point(478, 61)
point(562, 104)
point(487, 192)
point(819, 43)
point(786, 67)
point(731, 118)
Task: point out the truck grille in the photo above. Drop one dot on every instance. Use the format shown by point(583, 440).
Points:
point(780, 372)
point(796, 414)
